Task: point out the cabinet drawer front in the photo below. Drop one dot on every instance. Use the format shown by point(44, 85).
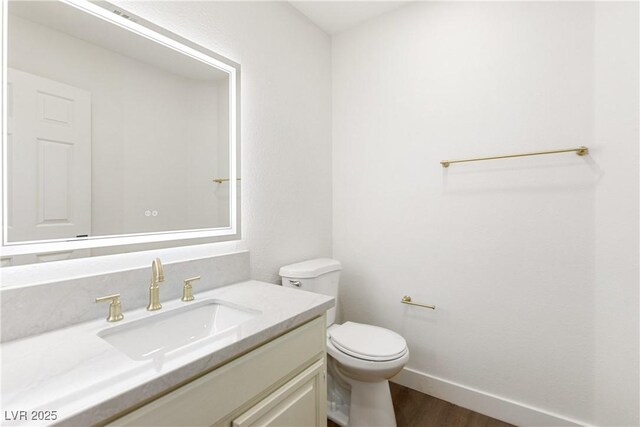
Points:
point(208, 399)
point(299, 403)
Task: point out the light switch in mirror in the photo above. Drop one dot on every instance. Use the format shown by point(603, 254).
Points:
point(118, 133)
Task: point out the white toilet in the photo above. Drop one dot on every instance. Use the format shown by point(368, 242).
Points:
point(361, 359)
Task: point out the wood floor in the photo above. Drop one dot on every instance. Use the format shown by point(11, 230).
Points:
point(415, 409)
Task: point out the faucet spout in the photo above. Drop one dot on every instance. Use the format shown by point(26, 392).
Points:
point(157, 276)
point(157, 272)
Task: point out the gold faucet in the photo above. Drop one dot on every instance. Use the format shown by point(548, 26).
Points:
point(157, 276)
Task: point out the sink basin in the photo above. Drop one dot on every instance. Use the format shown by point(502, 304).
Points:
point(161, 333)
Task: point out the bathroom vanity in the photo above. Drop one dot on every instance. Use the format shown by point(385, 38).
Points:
point(267, 367)
point(282, 382)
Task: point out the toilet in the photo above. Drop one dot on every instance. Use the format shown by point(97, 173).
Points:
point(362, 357)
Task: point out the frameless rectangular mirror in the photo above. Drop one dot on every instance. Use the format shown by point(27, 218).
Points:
point(115, 132)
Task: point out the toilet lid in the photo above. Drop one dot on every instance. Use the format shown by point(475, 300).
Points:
point(368, 342)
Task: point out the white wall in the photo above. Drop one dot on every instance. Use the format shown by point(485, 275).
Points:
point(532, 263)
point(617, 219)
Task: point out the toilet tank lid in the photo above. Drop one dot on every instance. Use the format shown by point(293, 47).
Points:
point(310, 269)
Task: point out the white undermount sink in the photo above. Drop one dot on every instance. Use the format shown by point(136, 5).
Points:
point(163, 332)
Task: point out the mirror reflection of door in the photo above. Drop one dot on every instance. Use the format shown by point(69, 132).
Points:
point(49, 149)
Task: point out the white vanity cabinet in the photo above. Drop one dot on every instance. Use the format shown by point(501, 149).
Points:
point(280, 383)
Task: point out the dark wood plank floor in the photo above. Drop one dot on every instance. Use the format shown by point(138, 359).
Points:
point(415, 409)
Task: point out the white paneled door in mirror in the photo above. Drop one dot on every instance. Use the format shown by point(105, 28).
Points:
point(116, 133)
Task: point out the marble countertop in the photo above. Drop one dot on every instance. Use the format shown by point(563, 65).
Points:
point(81, 377)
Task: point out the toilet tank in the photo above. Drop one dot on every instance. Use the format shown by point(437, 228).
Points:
point(320, 275)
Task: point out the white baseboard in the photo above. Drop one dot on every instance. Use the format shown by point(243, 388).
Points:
point(480, 401)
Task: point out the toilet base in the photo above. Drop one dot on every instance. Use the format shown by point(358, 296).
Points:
point(371, 404)
point(354, 403)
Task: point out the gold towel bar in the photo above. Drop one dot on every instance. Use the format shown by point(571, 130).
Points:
point(221, 180)
point(580, 151)
point(407, 300)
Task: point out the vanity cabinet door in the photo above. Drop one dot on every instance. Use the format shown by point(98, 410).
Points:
point(299, 403)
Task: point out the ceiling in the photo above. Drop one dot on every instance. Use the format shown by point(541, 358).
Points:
point(336, 16)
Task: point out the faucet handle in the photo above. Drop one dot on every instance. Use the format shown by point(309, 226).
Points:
point(115, 308)
point(187, 290)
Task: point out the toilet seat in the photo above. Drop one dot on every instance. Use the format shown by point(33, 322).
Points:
point(367, 342)
point(362, 369)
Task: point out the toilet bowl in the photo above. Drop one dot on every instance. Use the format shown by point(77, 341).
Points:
point(365, 357)
point(361, 358)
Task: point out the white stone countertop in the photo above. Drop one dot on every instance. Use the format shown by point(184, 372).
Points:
point(85, 380)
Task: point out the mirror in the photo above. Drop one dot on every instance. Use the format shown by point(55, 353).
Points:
point(117, 133)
